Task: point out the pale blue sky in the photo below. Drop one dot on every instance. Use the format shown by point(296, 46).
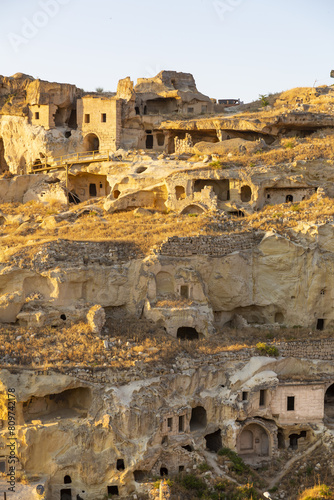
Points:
point(234, 48)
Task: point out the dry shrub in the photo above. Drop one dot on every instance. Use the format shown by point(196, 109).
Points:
point(317, 492)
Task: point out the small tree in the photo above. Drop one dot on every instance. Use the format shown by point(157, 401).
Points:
point(100, 90)
point(264, 100)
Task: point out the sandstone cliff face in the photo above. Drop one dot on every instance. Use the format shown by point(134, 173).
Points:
point(276, 280)
point(19, 91)
point(120, 432)
point(22, 140)
point(24, 143)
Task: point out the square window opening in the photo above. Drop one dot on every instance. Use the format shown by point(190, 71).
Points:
point(113, 491)
point(290, 403)
point(262, 400)
point(87, 118)
point(120, 464)
point(245, 396)
point(103, 117)
point(181, 423)
point(170, 423)
point(37, 115)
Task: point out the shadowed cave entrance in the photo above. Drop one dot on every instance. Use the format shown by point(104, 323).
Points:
point(66, 494)
point(187, 333)
point(113, 491)
point(3, 163)
point(214, 441)
point(72, 403)
point(198, 419)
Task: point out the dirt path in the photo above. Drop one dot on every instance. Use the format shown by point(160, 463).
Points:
point(290, 462)
point(212, 461)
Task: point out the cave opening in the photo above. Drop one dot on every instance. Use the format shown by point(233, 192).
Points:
point(198, 418)
point(187, 333)
point(214, 441)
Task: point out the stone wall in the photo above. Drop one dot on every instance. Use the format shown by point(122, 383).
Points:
point(69, 254)
point(308, 403)
point(101, 117)
point(312, 349)
point(214, 246)
point(184, 145)
point(42, 115)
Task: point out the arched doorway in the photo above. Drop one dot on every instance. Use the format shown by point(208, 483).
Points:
point(289, 198)
point(329, 404)
point(91, 142)
point(165, 284)
point(279, 318)
point(253, 441)
point(246, 194)
point(163, 471)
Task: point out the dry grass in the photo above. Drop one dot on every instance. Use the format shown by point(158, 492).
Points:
point(307, 477)
point(321, 492)
point(318, 146)
point(319, 100)
point(133, 341)
point(289, 215)
point(145, 231)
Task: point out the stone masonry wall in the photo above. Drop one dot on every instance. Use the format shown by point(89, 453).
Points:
point(69, 254)
point(312, 349)
point(215, 246)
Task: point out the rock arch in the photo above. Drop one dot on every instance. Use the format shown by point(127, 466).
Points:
point(254, 441)
point(192, 209)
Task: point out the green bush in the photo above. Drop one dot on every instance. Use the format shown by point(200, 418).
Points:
point(246, 492)
point(192, 482)
point(215, 164)
point(267, 350)
point(309, 470)
point(203, 467)
point(239, 465)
